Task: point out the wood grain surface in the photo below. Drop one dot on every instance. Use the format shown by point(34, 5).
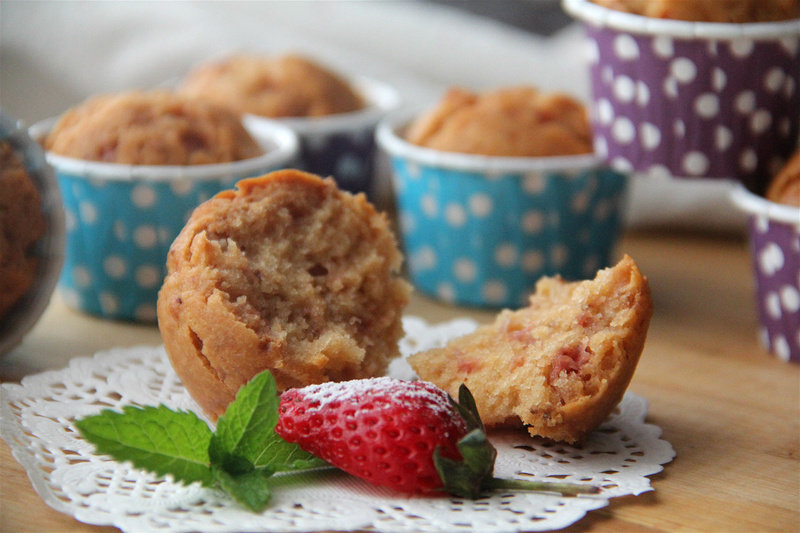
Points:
point(730, 410)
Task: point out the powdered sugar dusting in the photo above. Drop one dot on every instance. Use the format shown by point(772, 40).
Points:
point(410, 394)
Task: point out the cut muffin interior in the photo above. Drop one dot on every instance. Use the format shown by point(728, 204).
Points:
point(558, 366)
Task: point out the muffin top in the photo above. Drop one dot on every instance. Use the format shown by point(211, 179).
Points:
point(785, 187)
point(515, 122)
point(151, 128)
point(279, 86)
point(737, 11)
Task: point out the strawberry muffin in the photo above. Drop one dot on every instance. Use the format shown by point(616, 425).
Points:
point(558, 366)
point(23, 225)
point(151, 128)
point(785, 187)
point(273, 86)
point(513, 121)
point(736, 11)
point(286, 273)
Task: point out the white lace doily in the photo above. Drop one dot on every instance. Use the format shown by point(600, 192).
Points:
point(36, 419)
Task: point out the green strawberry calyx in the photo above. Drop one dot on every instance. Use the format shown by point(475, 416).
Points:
point(473, 475)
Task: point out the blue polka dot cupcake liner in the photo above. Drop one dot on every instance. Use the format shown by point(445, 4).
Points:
point(122, 219)
point(49, 249)
point(480, 231)
point(691, 99)
point(343, 145)
point(774, 234)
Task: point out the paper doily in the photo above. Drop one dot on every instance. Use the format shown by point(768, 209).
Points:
point(36, 419)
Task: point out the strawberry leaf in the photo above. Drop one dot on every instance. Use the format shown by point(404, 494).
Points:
point(156, 439)
point(247, 431)
point(467, 477)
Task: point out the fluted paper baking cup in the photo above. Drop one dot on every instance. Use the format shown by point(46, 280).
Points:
point(774, 232)
point(481, 230)
point(343, 145)
point(692, 99)
point(122, 219)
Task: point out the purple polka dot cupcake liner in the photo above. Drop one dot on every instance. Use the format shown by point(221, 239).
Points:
point(481, 231)
point(774, 231)
point(49, 249)
point(343, 145)
point(122, 219)
point(690, 99)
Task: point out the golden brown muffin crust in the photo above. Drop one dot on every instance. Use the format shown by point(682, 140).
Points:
point(22, 224)
point(280, 86)
point(558, 366)
point(151, 128)
point(286, 273)
point(736, 11)
point(514, 122)
point(785, 187)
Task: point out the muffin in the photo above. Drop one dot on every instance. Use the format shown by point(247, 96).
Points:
point(694, 99)
point(785, 187)
point(286, 273)
point(32, 236)
point(558, 366)
point(131, 168)
point(333, 115)
point(151, 128)
point(273, 86)
point(514, 122)
point(479, 229)
point(733, 11)
point(23, 225)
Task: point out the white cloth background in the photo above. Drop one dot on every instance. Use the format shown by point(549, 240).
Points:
point(54, 54)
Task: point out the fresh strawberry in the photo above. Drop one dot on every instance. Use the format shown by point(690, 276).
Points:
point(410, 436)
point(381, 429)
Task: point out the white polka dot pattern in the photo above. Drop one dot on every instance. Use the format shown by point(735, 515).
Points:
point(478, 240)
point(118, 237)
point(776, 260)
point(694, 107)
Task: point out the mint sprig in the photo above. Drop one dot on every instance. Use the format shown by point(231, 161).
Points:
point(238, 458)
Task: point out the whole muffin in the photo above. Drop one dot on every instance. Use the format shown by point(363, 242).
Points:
point(785, 188)
point(273, 86)
point(151, 128)
point(516, 122)
point(558, 366)
point(737, 11)
point(22, 224)
point(286, 273)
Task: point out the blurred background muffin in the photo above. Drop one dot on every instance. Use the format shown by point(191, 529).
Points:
point(785, 187)
point(517, 122)
point(333, 114)
point(736, 11)
point(480, 229)
point(273, 86)
point(151, 128)
point(23, 224)
point(31, 232)
point(132, 167)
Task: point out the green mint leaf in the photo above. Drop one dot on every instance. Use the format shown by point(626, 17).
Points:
point(249, 488)
point(156, 439)
point(247, 430)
